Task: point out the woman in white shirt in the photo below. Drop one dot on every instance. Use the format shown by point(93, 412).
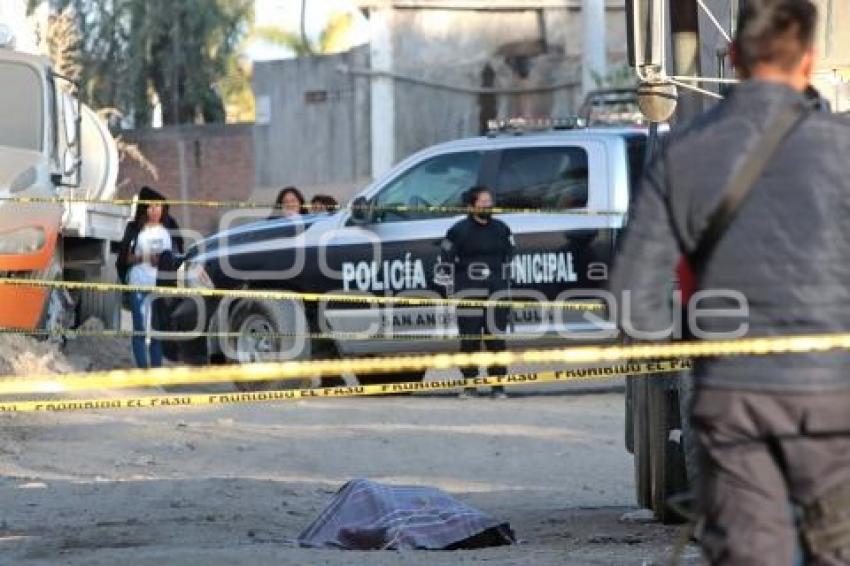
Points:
point(145, 239)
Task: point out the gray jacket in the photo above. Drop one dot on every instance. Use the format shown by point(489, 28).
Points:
point(787, 252)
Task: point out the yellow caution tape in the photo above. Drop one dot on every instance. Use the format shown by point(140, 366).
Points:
point(399, 208)
point(346, 336)
point(407, 301)
point(166, 377)
point(273, 371)
point(202, 399)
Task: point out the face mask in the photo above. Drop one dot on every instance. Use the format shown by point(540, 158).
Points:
point(484, 214)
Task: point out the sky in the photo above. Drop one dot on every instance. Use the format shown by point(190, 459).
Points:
point(287, 15)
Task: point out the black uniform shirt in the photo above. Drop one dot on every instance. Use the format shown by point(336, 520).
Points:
point(481, 253)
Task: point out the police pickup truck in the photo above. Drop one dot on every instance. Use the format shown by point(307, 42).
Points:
point(567, 191)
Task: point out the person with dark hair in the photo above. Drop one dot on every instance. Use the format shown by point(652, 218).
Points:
point(480, 248)
point(289, 203)
point(152, 234)
point(754, 194)
point(323, 203)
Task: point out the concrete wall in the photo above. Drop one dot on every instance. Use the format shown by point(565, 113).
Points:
point(210, 162)
point(323, 144)
point(523, 48)
point(312, 126)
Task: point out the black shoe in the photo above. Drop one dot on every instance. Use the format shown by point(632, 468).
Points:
point(467, 393)
point(498, 392)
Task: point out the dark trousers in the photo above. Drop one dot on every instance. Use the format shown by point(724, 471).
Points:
point(486, 323)
point(768, 460)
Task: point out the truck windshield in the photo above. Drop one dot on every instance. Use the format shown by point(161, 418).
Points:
point(22, 99)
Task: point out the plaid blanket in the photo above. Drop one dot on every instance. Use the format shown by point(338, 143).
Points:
point(365, 515)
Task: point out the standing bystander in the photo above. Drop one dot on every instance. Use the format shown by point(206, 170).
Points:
point(152, 233)
point(755, 194)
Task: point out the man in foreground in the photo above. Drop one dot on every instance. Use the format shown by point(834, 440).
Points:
point(772, 429)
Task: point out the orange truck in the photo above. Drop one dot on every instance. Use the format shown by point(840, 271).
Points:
point(58, 153)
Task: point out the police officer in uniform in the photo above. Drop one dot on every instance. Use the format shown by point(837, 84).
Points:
point(480, 248)
point(773, 431)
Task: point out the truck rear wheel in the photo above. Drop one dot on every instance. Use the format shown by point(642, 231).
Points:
point(640, 440)
point(689, 441)
point(667, 459)
point(659, 459)
point(267, 331)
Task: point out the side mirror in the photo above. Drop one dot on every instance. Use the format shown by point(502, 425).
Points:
point(70, 163)
point(70, 144)
point(362, 212)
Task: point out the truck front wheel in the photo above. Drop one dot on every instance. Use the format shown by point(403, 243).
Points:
point(105, 306)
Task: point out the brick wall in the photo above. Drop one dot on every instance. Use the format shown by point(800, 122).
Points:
point(211, 162)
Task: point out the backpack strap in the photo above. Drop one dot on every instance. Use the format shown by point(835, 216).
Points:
point(743, 181)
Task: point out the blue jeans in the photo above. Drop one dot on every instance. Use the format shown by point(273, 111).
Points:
point(145, 356)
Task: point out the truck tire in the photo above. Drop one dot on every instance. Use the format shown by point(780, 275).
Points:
point(251, 321)
point(667, 460)
point(640, 441)
point(105, 306)
point(689, 443)
point(629, 431)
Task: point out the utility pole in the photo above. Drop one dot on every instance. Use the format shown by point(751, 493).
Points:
point(593, 55)
point(382, 92)
point(684, 27)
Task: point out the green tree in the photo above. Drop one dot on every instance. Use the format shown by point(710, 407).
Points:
point(335, 37)
point(178, 52)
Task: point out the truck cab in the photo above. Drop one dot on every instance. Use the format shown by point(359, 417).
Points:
point(53, 147)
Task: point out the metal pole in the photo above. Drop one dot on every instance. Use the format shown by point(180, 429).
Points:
point(684, 27)
point(382, 89)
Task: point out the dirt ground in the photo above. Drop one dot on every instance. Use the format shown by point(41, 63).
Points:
point(237, 484)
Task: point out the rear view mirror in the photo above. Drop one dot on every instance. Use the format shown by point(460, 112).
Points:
point(645, 32)
point(362, 212)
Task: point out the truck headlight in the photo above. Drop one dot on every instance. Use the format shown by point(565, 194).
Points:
point(194, 276)
point(23, 241)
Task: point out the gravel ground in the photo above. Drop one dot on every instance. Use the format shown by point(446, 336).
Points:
point(236, 484)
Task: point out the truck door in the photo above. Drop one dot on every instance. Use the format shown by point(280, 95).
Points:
point(409, 230)
point(564, 246)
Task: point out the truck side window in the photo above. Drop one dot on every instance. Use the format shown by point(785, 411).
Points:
point(542, 177)
point(21, 98)
point(436, 182)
